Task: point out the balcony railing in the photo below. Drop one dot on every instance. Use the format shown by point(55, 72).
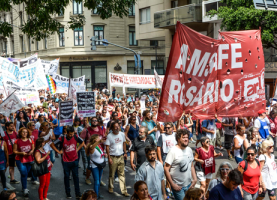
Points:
point(184, 14)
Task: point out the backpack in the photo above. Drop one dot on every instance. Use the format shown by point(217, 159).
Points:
point(246, 164)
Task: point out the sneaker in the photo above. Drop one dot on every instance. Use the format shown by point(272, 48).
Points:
point(110, 190)
point(100, 197)
point(35, 182)
point(88, 182)
point(70, 178)
point(29, 178)
point(9, 187)
point(68, 196)
point(193, 141)
point(230, 158)
point(78, 196)
point(125, 169)
point(14, 181)
point(116, 179)
point(126, 194)
point(102, 183)
point(25, 192)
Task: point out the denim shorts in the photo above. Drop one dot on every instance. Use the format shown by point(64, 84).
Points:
point(180, 195)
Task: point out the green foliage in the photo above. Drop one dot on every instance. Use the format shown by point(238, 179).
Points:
point(241, 15)
point(40, 22)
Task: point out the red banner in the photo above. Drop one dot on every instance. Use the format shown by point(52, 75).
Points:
point(205, 76)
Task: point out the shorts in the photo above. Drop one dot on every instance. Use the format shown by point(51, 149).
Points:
point(228, 139)
point(202, 177)
point(12, 160)
point(271, 193)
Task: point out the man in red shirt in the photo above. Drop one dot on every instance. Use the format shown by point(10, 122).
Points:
point(10, 137)
point(85, 135)
point(70, 159)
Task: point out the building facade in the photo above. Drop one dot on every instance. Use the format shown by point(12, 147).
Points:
point(74, 49)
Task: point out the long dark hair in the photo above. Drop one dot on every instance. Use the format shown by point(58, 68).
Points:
point(136, 188)
point(24, 116)
point(39, 142)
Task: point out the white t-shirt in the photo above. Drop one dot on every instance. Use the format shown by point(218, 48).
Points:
point(237, 151)
point(37, 125)
point(180, 161)
point(257, 123)
point(105, 120)
point(47, 145)
point(167, 142)
point(269, 171)
point(115, 143)
point(96, 157)
point(211, 126)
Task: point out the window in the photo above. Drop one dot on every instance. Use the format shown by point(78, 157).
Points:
point(61, 36)
point(37, 45)
point(154, 43)
point(159, 66)
point(77, 8)
point(22, 43)
point(144, 15)
point(99, 33)
point(78, 36)
point(174, 4)
point(21, 18)
point(30, 43)
point(45, 43)
point(132, 36)
point(132, 10)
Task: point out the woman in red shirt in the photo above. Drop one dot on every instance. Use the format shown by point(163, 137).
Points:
point(40, 155)
point(23, 148)
point(252, 178)
point(205, 163)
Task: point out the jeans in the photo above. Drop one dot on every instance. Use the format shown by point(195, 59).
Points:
point(248, 196)
point(52, 156)
point(180, 195)
point(85, 158)
point(238, 160)
point(96, 173)
point(24, 169)
point(3, 178)
point(67, 167)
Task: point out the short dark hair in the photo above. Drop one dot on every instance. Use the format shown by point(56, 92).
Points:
point(113, 124)
point(150, 148)
point(7, 124)
point(251, 148)
point(70, 129)
point(145, 113)
point(236, 176)
point(180, 133)
point(168, 123)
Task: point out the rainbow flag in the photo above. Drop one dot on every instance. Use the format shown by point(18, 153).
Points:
point(51, 84)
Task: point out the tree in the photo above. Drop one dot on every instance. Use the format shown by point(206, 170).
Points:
point(40, 22)
point(239, 15)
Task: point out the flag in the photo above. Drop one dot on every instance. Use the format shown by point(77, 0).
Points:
point(11, 104)
point(72, 92)
point(158, 79)
point(51, 84)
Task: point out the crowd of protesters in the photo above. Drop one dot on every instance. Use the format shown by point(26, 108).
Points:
point(159, 153)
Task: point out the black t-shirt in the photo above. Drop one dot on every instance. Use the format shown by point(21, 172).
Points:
point(220, 192)
point(139, 147)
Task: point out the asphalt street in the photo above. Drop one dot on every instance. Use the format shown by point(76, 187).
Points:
point(57, 190)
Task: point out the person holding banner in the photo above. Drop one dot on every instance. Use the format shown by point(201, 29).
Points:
point(23, 148)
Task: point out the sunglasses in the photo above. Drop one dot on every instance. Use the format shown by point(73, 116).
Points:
point(32, 125)
point(270, 147)
point(224, 169)
point(250, 154)
point(207, 142)
point(115, 115)
point(104, 112)
point(94, 120)
point(167, 127)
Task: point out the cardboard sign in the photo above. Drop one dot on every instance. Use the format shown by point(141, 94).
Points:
point(66, 113)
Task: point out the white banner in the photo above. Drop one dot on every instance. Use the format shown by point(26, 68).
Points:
point(24, 62)
point(133, 81)
point(50, 67)
point(158, 79)
point(72, 92)
point(62, 82)
point(10, 105)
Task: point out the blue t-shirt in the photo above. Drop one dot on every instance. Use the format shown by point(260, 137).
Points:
point(220, 192)
point(59, 129)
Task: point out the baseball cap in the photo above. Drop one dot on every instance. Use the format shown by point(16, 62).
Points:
point(261, 111)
